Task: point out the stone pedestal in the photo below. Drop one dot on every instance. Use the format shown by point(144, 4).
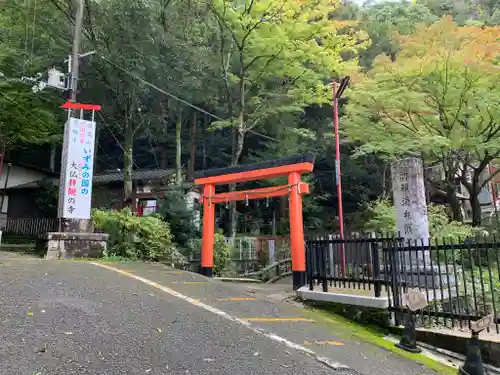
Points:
point(67, 245)
point(439, 279)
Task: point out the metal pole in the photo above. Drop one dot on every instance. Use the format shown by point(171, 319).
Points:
point(493, 195)
point(337, 176)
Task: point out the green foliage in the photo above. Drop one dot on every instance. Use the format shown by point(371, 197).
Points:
point(26, 117)
point(173, 208)
point(440, 225)
point(136, 237)
point(222, 254)
point(276, 57)
point(385, 19)
point(383, 220)
point(438, 99)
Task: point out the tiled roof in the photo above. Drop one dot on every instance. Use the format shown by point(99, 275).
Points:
point(115, 176)
point(143, 174)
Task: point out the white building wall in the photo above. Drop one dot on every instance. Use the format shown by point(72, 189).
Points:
point(19, 176)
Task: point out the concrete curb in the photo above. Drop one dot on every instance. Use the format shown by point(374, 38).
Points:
point(238, 280)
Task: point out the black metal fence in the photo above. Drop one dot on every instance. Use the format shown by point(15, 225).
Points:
point(28, 227)
point(460, 279)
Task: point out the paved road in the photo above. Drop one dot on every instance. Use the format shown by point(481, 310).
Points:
point(74, 317)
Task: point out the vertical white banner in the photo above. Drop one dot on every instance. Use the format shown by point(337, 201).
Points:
point(75, 192)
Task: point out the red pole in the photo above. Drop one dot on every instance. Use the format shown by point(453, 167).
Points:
point(207, 239)
point(337, 176)
point(297, 232)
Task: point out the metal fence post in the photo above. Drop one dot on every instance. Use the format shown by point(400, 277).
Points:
point(309, 266)
point(393, 261)
point(376, 269)
point(323, 266)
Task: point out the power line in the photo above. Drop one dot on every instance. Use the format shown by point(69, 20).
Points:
point(151, 146)
point(26, 33)
point(33, 27)
point(176, 97)
point(116, 139)
point(114, 166)
point(109, 165)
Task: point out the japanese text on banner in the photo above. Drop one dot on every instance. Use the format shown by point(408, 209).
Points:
point(79, 169)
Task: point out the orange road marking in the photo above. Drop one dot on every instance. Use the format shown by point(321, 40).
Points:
point(324, 342)
point(278, 320)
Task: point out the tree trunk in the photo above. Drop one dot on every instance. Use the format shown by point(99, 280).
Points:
point(385, 178)
point(274, 222)
point(178, 150)
point(283, 207)
point(238, 138)
point(53, 149)
point(192, 156)
point(204, 144)
point(163, 156)
point(128, 160)
point(476, 210)
point(453, 201)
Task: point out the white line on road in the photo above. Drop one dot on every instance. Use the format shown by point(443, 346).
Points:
point(194, 302)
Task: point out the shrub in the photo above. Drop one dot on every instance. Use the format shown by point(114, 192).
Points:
point(383, 220)
point(136, 237)
point(222, 254)
point(173, 208)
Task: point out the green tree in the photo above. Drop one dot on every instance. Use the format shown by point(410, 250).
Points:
point(382, 219)
point(29, 41)
point(440, 99)
point(158, 41)
point(174, 210)
point(274, 57)
point(383, 20)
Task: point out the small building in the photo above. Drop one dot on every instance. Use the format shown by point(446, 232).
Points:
point(20, 194)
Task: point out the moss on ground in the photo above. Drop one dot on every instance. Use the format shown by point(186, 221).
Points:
point(348, 329)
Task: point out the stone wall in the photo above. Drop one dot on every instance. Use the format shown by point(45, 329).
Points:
point(66, 245)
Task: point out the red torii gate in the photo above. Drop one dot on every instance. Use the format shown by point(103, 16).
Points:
point(291, 167)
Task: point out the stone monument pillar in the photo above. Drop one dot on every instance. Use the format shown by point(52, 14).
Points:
point(411, 209)
point(412, 223)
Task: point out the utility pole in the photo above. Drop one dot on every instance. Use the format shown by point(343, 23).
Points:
point(74, 61)
point(72, 225)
